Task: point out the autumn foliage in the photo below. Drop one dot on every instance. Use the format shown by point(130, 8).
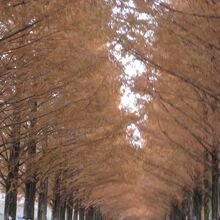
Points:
point(64, 139)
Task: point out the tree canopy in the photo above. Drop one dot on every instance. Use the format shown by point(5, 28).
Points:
point(69, 143)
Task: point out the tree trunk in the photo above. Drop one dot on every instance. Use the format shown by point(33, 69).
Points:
point(81, 214)
point(69, 209)
point(63, 210)
point(177, 215)
point(11, 189)
point(97, 215)
point(56, 199)
point(90, 214)
point(42, 202)
point(166, 217)
point(215, 184)
point(30, 186)
point(187, 205)
point(197, 200)
point(30, 189)
point(13, 168)
point(206, 186)
point(76, 211)
point(10, 203)
point(30, 183)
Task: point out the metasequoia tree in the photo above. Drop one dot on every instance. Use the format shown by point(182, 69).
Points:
point(178, 43)
point(193, 79)
point(53, 59)
point(13, 60)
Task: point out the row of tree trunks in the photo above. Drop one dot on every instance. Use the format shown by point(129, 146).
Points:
point(192, 207)
point(202, 204)
point(12, 178)
point(65, 210)
point(89, 214)
point(61, 210)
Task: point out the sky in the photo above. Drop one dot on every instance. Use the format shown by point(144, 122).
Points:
point(130, 100)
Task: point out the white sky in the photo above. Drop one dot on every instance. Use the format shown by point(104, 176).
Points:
point(130, 100)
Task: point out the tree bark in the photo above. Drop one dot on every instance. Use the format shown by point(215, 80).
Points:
point(69, 209)
point(90, 214)
point(63, 210)
point(197, 200)
point(97, 215)
point(42, 202)
point(30, 187)
point(13, 168)
point(30, 183)
point(187, 205)
point(215, 185)
point(81, 214)
point(56, 199)
point(206, 187)
point(11, 187)
point(177, 215)
point(76, 211)
point(10, 203)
